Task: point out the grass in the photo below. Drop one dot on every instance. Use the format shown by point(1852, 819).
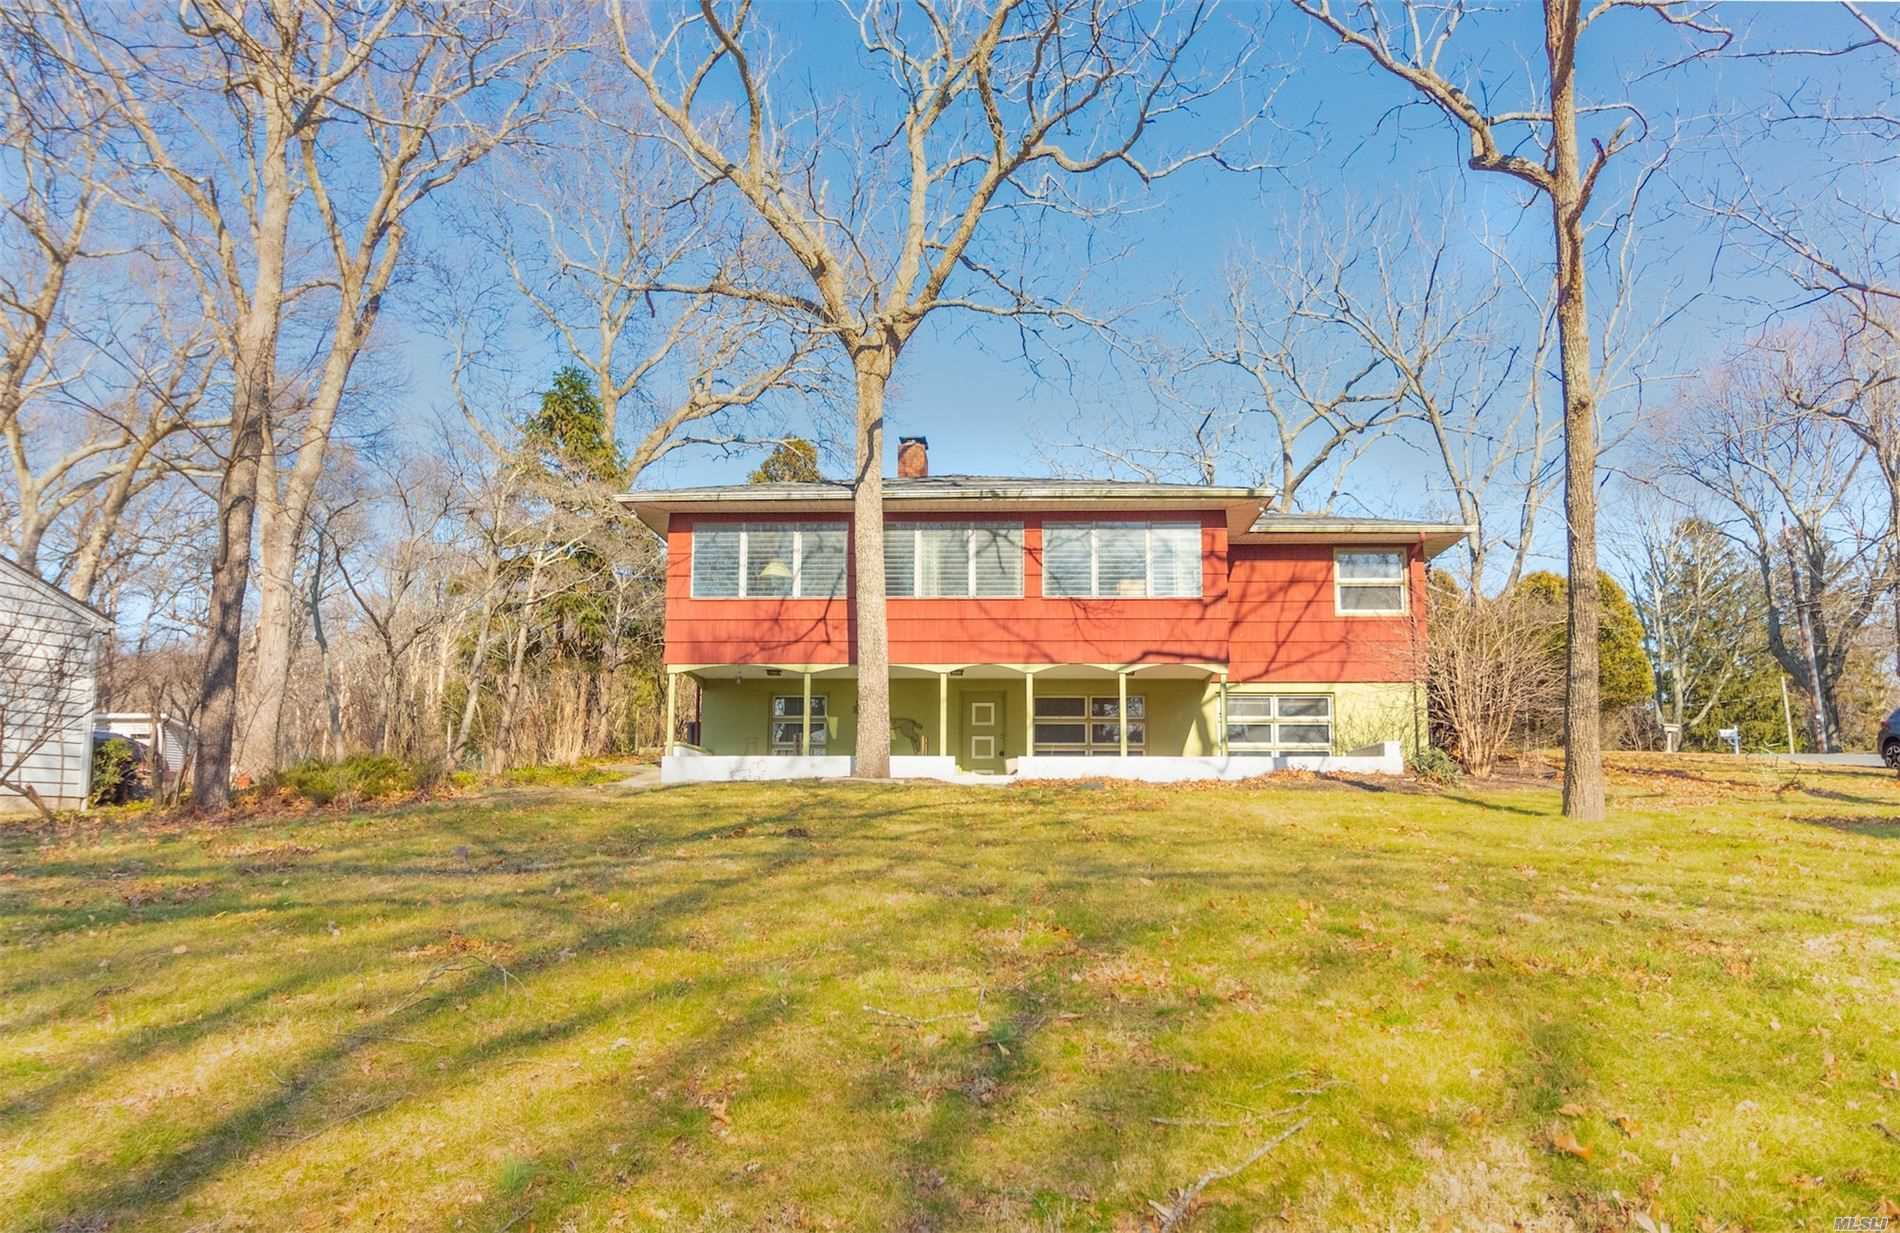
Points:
point(918, 1007)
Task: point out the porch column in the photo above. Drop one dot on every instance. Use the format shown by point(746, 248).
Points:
point(943, 713)
point(1029, 712)
point(804, 722)
point(672, 706)
point(1221, 717)
point(1121, 690)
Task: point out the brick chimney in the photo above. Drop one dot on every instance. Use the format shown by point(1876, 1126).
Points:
point(913, 457)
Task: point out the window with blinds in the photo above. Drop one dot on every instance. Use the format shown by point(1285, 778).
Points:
point(953, 560)
point(769, 560)
point(1121, 560)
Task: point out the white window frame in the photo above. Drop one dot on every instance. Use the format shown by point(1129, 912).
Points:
point(820, 733)
point(916, 530)
point(1275, 719)
point(1088, 746)
point(1147, 557)
point(745, 530)
point(1402, 581)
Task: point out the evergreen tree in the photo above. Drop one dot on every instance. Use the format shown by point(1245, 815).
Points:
point(792, 461)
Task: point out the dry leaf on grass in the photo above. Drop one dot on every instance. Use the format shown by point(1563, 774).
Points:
point(1565, 1142)
point(1627, 1124)
point(1573, 1109)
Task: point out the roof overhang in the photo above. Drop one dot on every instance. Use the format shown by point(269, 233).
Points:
point(1433, 537)
point(1241, 506)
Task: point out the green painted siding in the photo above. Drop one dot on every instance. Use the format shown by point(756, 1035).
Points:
point(1183, 716)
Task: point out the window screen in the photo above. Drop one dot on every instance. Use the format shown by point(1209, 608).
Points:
point(716, 562)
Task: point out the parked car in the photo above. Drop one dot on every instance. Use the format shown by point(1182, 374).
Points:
point(1889, 742)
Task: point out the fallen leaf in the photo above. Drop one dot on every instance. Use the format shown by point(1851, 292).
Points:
point(1627, 1124)
point(1889, 1209)
point(1572, 1110)
point(1806, 1181)
point(1566, 1143)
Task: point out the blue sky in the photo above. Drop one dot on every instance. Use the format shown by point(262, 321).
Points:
point(1335, 130)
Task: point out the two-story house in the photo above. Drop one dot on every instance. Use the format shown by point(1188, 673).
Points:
point(1042, 627)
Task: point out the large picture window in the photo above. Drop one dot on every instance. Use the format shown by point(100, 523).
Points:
point(788, 723)
point(1077, 724)
point(1369, 582)
point(768, 560)
point(953, 560)
point(1279, 723)
point(1121, 560)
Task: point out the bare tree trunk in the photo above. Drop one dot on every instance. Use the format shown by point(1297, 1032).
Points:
point(1583, 715)
point(873, 760)
point(482, 635)
point(237, 499)
point(333, 740)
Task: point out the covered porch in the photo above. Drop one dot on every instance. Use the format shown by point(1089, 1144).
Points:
point(1154, 721)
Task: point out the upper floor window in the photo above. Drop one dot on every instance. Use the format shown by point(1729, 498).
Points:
point(953, 560)
point(768, 560)
point(1369, 582)
point(1110, 560)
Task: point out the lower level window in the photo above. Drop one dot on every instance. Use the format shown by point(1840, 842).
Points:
point(1086, 725)
point(788, 723)
point(1280, 723)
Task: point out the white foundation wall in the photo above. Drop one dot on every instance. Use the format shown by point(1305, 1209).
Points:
point(690, 767)
point(1387, 758)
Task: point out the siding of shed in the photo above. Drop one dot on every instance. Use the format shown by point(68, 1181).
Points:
point(42, 639)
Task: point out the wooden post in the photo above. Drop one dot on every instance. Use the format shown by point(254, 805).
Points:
point(1029, 713)
point(672, 702)
point(1121, 689)
point(943, 713)
point(804, 731)
point(1221, 717)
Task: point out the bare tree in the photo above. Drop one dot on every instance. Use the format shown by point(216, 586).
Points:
point(440, 89)
point(1489, 666)
point(668, 367)
point(1795, 487)
point(998, 111)
point(1411, 47)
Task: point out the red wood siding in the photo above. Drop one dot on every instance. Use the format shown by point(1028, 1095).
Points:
point(937, 631)
point(1286, 629)
point(1265, 609)
point(748, 631)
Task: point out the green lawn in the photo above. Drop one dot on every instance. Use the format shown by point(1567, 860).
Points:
point(911, 1007)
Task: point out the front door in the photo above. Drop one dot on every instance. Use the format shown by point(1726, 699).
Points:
point(983, 732)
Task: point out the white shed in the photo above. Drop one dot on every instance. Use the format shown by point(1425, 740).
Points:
point(164, 741)
point(49, 684)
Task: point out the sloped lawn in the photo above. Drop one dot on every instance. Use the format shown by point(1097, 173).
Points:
point(904, 1007)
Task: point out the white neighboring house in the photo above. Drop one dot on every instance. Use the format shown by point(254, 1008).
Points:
point(164, 741)
point(49, 685)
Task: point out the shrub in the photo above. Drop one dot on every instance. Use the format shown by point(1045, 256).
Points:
point(575, 775)
point(363, 777)
point(115, 771)
point(1434, 765)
